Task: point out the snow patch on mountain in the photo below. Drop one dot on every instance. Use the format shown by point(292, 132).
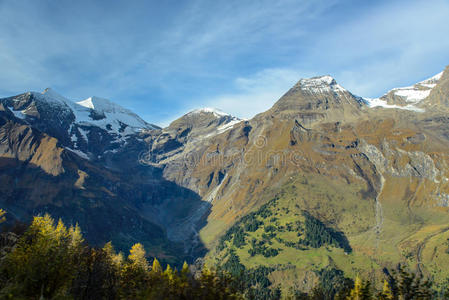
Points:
point(108, 116)
point(17, 113)
point(105, 106)
point(76, 123)
point(418, 92)
point(216, 123)
point(321, 84)
point(431, 82)
point(377, 102)
point(412, 95)
point(228, 122)
point(216, 112)
point(227, 126)
point(79, 153)
point(95, 111)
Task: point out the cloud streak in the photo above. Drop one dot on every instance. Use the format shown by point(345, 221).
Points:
point(257, 93)
point(162, 59)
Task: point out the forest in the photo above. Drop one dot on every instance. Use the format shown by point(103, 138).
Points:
point(49, 260)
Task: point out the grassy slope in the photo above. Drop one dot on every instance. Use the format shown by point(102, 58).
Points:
point(406, 233)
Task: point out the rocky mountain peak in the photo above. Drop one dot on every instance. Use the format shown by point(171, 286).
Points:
point(317, 98)
point(208, 110)
point(193, 127)
point(320, 84)
point(203, 118)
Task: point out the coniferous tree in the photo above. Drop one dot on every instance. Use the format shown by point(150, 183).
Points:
point(185, 268)
point(386, 293)
point(43, 261)
point(361, 290)
point(156, 266)
point(2, 215)
point(137, 256)
point(409, 285)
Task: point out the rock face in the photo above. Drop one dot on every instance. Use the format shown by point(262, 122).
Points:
point(375, 170)
point(188, 131)
point(317, 99)
point(439, 96)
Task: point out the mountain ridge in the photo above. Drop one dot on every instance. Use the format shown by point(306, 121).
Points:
point(314, 85)
point(369, 174)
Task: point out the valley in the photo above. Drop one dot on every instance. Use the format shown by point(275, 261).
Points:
point(324, 181)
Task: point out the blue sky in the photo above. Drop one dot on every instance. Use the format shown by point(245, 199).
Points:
point(164, 58)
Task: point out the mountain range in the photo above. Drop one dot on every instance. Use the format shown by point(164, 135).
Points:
point(371, 174)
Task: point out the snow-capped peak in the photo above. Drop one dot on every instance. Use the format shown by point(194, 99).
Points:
point(412, 95)
point(320, 84)
point(50, 96)
point(216, 112)
point(225, 121)
point(108, 115)
point(89, 103)
point(114, 116)
point(325, 79)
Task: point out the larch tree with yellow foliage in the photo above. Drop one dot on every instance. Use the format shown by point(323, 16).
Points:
point(361, 290)
point(386, 293)
point(156, 268)
point(137, 256)
point(2, 215)
point(42, 262)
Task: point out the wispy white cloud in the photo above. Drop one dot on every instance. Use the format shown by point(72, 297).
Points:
point(240, 26)
point(256, 93)
point(163, 58)
point(393, 44)
point(251, 95)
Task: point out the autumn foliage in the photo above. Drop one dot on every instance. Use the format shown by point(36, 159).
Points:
point(52, 261)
